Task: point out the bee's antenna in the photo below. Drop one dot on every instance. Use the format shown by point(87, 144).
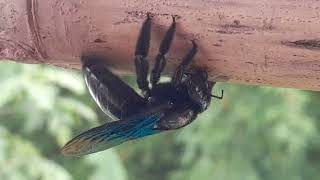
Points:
point(218, 97)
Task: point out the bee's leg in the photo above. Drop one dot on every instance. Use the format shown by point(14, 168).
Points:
point(141, 53)
point(160, 59)
point(180, 73)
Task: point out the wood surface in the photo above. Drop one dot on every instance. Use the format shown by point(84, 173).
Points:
point(257, 42)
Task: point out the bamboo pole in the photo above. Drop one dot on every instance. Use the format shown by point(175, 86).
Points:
point(269, 42)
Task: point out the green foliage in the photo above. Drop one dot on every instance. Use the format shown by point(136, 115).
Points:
point(254, 133)
point(41, 108)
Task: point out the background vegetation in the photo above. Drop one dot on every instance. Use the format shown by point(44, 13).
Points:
point(254, 133)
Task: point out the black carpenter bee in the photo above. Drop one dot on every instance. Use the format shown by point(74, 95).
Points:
point(164, 106)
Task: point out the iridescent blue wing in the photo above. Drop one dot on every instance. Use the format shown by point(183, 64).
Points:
point(111, 134)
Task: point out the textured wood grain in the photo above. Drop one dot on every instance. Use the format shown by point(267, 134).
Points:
point(267, 42)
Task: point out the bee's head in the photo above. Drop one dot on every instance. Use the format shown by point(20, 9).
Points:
point(199, 89)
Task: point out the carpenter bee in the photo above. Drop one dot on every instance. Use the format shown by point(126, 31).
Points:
point(161, 107)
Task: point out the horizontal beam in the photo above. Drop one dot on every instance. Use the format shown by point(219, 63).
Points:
point(274, 42)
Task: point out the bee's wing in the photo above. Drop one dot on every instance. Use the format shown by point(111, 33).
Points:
point(111, 134)
point(115, 98)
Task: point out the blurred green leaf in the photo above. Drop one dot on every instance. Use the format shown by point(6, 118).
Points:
point(108, 166)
